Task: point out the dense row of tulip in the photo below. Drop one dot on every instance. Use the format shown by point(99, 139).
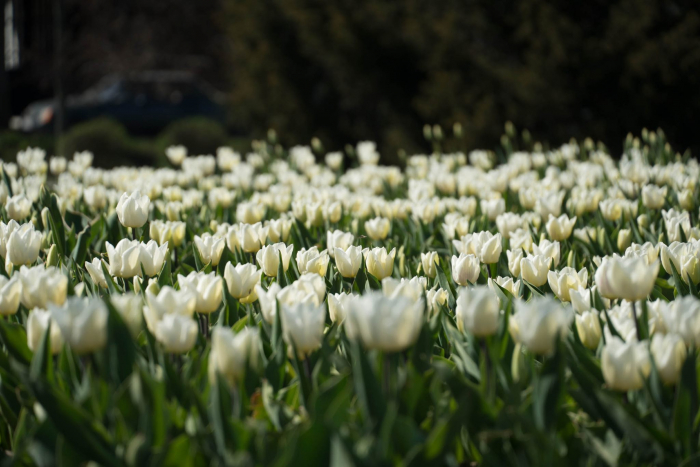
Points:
point(513, 307)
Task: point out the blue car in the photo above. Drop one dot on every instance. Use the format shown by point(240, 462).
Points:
point(144, 102)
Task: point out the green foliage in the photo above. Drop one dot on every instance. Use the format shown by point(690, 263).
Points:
point(348, 71)
point(110, 140)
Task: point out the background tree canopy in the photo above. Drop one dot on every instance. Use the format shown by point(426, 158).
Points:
point(346, 70)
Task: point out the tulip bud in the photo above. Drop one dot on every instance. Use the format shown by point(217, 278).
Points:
point(168, 301)
point(588, 328)
point(624, 238)
point(10, 295)
point(477, 311)
point(137, 281)
point(45, 217)
point(625, 364)
point(643, 221)
point(514, 257)
point(52, 256)
point(38, 321)
point(429, 262)
point(669, 353)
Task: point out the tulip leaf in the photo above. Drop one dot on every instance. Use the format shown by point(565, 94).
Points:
point(678, 281)
point(367, 387)
point(547, 392)
point(199, 264)
point(281, 279)
point(685, 406)
point(14, 337)
point(111, 286)
point(165, 277)
point(445, 284)
point(120, 351)
point(42, 362)
point(8, 182)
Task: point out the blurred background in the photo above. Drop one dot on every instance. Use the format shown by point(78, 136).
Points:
point(127, 78)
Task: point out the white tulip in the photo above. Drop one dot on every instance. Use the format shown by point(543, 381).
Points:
point(379, 263)
point(125, 258)
point(96, 273)
point(133, 209)
point(210, 248)
point(560, 228)
point(208, 288)
point(10, 295)
point(466, 269)
point(429, 263)
point(538, 324)
point(477, 311)
point(302, 327)
point(23, 246)
point(42, 286)
point(550, 249)
point(168, 301)
point(514, 257)
point(669, 353)
point(18, 207)
point(269, 258)
point(231, 353)
point(83, 323)
point(410, 288)
point(268, 301)
point(348, 261)
point(377, 228)
point(338, 239)
point(534, 269)
point(562, 282)
point(588, 327)
point(625, 365)
point(152, 257)
point(312, 261)
point(37, 323)
point(130, 308)
point(337, 306)
point(241, 279)
point(628, 278)
point(384, 323)
point(176, 333)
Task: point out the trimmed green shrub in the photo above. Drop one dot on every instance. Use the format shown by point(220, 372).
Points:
point(200, 135)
